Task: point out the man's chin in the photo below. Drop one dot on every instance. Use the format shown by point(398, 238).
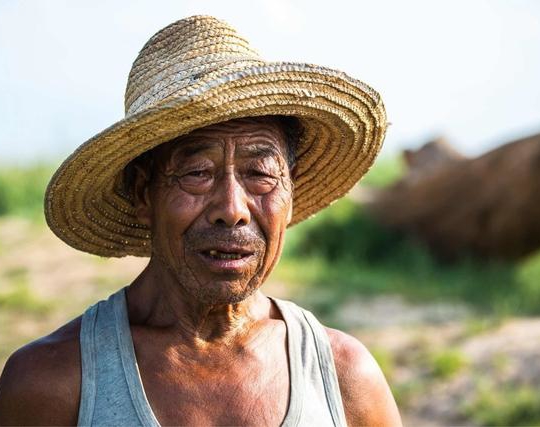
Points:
point(222, 293)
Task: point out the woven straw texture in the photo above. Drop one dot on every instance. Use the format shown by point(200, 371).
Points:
point(196, 72)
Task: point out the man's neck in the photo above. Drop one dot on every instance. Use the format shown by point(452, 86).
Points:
point(156, 300)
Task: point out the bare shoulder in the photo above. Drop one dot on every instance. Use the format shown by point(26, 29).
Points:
point(40, 384)
point(367, 399)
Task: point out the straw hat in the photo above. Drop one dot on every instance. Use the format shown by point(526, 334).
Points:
point(196, 72)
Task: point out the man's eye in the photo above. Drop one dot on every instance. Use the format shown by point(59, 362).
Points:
point(195, 177)
point(260, 182)
point(200, 173)
point(197, 181)
point(259, 173)
point(194, 174)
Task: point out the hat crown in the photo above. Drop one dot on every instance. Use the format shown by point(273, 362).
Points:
point(180, 55)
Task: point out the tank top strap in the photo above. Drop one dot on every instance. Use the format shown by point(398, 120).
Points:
point(328, 369)
point(88, 366)
point(318, 338)
point(129, 361)
point(111, 388)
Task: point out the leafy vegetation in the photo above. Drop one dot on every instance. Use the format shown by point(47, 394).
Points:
point(22, 299)
point(386, 171)
point(506, 406)
point(447, 363)
point(22, 189)
point(346, 250)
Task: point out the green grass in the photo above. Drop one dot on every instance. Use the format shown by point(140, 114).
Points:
point(343, 251)
point(18, 297)
point(22, 189)
point(16, 274)
point(16, 294)
point(385, 360)
point(479, 325)
point(505, 406)
point(384, 172)
point(447, 363)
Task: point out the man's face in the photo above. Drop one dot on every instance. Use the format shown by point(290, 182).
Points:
point(219, 206)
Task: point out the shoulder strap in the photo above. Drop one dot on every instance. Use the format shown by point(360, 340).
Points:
point(328, 369)
point(88, 366)
point(129, 361)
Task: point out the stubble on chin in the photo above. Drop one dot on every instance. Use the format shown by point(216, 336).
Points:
point(222, 290)
point(208, 291)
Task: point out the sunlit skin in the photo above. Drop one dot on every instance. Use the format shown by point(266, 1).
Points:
point(223, 189)
point(211, 347)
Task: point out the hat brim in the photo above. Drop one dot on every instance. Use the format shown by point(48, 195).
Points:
point(344, 122)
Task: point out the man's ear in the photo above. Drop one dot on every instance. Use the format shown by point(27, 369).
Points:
point(141, 196)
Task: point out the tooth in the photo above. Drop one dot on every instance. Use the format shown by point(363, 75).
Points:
point(229, 256)
point(224, 255)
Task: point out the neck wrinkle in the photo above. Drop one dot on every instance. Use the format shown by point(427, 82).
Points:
point(158, 302)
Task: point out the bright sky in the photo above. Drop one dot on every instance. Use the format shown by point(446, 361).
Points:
point(466, 69)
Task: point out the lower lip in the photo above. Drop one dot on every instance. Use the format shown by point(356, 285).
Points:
point(227, 265)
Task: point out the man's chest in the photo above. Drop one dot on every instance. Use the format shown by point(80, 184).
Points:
point(250, 389)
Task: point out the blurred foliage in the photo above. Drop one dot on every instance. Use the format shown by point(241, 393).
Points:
point(16, 295)
point(22, 189)
point(386, 171)
point(480, 325)
point(447, 363)
point(506, 406)
point(385, 360)
point(346, 249)
point(22, 299)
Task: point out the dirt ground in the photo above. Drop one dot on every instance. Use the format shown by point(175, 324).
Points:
point(439, 359)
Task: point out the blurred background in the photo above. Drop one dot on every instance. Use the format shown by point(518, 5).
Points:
point(432, 260)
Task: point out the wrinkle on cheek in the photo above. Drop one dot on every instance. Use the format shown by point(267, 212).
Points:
point(284, 194)
point(190, 271)
point(285, 177)
point(276, 256)
point(165, 187)
point(277, 206)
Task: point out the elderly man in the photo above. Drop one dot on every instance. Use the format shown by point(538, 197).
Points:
point(219, 152)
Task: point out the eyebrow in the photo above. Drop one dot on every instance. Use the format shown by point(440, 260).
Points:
point(260, 150)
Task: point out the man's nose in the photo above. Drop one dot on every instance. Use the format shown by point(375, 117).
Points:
point(230, 203)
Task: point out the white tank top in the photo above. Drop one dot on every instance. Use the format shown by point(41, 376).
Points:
point(112, 393)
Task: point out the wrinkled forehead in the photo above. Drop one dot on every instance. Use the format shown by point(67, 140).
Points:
point(252, 137)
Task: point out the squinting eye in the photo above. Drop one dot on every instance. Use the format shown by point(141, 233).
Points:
point(202, 173)
point(197, 173)
point(196, 181)
point(255, 172)
point(259, 182)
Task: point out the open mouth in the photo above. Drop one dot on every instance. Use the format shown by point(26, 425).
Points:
point(228, 257)
point(227, 253)
point(215, 254)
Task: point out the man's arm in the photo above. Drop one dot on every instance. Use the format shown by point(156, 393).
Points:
point(40, 384)
point(367, 399)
